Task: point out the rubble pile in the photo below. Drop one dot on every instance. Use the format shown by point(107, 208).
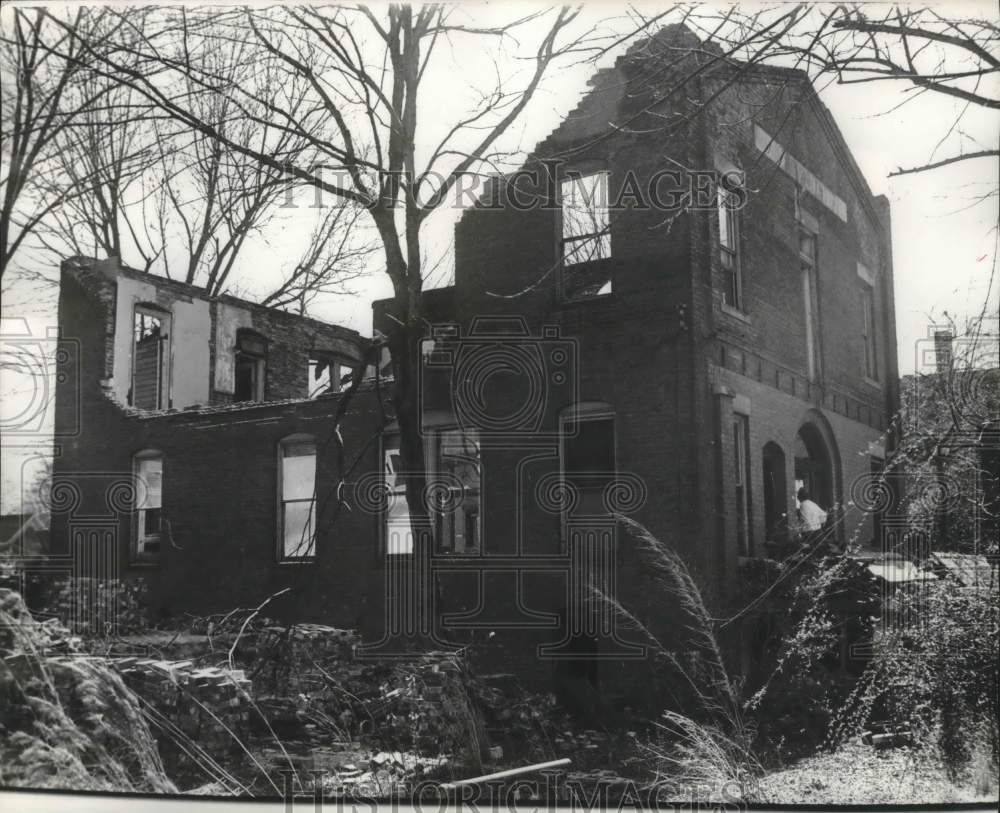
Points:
point(303, 658)
point(435, 712)
point(209, 706)
point(312, 674)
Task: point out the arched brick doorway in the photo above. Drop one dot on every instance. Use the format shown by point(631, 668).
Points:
point(814, 469)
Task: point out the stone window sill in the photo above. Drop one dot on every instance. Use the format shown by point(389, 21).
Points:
point(735, 313)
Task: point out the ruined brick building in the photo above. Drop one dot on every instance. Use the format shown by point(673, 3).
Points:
point(680, 310)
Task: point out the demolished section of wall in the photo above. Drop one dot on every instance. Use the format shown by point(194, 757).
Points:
point(202, 708)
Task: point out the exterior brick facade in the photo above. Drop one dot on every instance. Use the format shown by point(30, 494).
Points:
point(661, 355)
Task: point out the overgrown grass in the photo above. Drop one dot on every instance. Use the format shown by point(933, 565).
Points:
point(69, 721)
point(695, 761)
point(706, 752)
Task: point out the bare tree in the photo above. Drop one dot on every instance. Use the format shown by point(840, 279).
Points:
point(45, 97)
point(213, 197)
point(335, 253)
point(943, 422)
point(98, 168)
point(919, 49)
point(350, 88)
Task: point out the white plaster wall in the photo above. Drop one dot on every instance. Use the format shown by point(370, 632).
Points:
point(228, 319)
point(189, 353)
point(190, 331)
point(130, 292)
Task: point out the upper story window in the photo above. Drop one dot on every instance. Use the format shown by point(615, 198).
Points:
point(398, 533)
point(586, 226)
point(326, 373)
point(150, 357)
point(586, 236)
point(807, 265)
point(251, 366)
point(868, 331)
point(147, 469)
point(297, 498)
point(729, 246)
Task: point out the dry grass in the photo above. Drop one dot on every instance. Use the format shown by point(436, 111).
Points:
point(703, 763)
point(857, 774)
point(68, 720)
point(674, 588)
point(705, 754)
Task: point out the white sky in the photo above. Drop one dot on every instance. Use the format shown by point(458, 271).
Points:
point(945, 246)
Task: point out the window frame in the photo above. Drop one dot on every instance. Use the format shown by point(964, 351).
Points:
point(337, 365)
point(730, 256)
point(165, 318)
point(432, 445)
point(298, 439)
point(808, 271)
point(603, 232)
point(435, 436)
point(259, 360)
point(743, 482)
point(581, 413)
point(139, 555)
point(869, 332)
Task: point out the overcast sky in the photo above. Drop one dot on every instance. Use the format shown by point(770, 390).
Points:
point(944, 244)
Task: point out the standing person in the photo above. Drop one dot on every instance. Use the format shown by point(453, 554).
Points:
point(813, 517)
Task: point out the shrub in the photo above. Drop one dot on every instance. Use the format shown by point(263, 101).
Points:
point(935, 672)
point(94, 607)
point(817, 605)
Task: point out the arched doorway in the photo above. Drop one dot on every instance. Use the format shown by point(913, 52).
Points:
point(775, 493)
point(814, 466)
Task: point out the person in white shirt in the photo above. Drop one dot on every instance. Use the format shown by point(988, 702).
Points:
point(813, 517)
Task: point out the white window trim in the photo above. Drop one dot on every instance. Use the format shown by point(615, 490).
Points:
point(283, 558)
point(434, 425)
point(138, 556)
point(733, 222)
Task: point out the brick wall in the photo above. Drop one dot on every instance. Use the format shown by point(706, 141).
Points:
point(773, 332)
point(291, 340)
point(659, 352)
point(220, 488)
